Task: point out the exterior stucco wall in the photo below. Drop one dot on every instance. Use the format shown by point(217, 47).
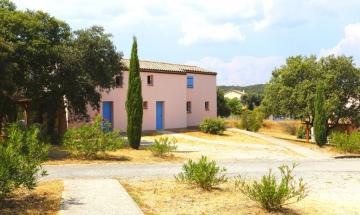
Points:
point(204, 90)
point(169, 88)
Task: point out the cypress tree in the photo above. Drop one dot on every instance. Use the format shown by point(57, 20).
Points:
point(320, 119)
point(134, 100)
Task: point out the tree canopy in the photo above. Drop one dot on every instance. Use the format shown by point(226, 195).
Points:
point(292, 88)
point(235, 105)
point(42, 59)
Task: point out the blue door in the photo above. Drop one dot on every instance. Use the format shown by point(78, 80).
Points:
point(107, 113)
point(159, 115)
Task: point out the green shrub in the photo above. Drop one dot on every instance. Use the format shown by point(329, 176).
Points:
point(90, 139)
point(205, 174)
point(163, 146)
point(271, 194)
point(346, 142)
point(212, 125)
point(251, 120)
point(301, 132)
point(235, 105)
point(21, 155)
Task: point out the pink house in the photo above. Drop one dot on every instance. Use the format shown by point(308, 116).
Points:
point(174, 95)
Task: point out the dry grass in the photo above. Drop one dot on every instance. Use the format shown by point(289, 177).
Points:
point(165, 196)
point(58, 156)
point(231, 123)
point(226, 136)
point(278, 129)
point(286, 127)
point(44, 199)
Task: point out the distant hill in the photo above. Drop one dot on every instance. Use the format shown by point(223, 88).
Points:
point(251, 89)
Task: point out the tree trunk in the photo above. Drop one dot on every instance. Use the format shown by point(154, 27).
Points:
point(62, 123)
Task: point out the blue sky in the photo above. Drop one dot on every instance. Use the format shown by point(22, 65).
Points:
point(242, 40)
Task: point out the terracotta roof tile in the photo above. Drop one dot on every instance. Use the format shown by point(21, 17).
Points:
point(168, 67)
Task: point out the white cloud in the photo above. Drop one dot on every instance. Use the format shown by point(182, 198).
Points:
point(197, 21)
point(288, 14)
point(200, 20)
point(196, 29)
point(241, 70)
point(349, 45)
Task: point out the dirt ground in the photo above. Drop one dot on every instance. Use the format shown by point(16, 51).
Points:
point(231, 146)
point(166, 196)
point(226, 136)
point(192, 144)
point(44, 199)
point(58, 156)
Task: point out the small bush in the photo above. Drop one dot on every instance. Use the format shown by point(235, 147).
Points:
point(90, 139)
point(21, 156)
point(212, 125)
point(301, 132)
point(346, 142)
point(163, 146)
point(205, 174)
point(251, 120)
point(271, 194)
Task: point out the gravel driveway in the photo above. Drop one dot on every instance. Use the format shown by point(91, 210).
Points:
point(332, 182)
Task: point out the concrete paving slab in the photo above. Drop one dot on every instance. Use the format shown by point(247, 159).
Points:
point(96, 197)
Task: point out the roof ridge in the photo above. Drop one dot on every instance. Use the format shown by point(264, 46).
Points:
point(177, 64)
point(164, 66)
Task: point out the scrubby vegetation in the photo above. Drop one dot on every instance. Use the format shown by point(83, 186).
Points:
point(272, 194)
point(212, 125)
point(163, 146)
point(205, 174)
point(346, 142)
point(90, 139)
point(301, 132)
point(21, 156)
point(251, 120)
point(290, 127)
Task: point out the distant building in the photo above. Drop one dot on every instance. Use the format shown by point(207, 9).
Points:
point(234, 94)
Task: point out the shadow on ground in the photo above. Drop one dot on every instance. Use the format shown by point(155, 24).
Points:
point(29, 204)
point(66, 204)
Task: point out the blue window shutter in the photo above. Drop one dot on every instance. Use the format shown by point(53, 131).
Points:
point(190, 82)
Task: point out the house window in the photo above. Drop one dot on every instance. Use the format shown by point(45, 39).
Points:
point(188, 107)
point(207, 106)
point(150, 80)
point(119, 81)
point(145, 105)
point(190, 82)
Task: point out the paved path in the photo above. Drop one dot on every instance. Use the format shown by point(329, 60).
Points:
point(252, 167)
point(96, 196)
